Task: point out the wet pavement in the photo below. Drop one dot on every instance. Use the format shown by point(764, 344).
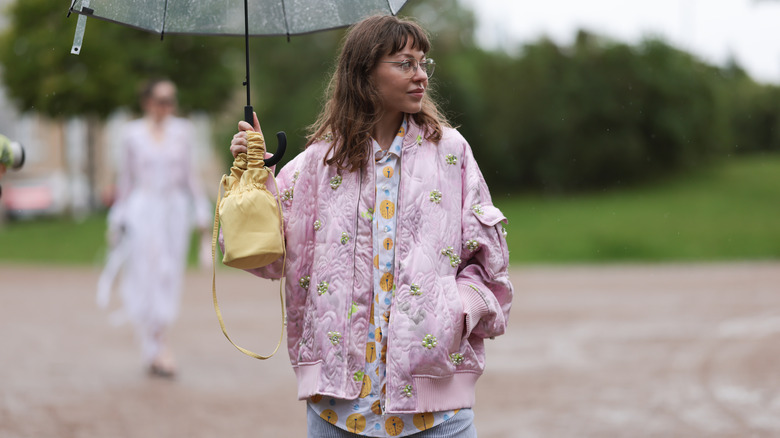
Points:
point(591, 351)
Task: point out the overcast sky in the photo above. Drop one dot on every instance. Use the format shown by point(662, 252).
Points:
point(747, 30)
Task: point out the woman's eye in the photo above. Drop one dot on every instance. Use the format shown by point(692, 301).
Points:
point(406, 65)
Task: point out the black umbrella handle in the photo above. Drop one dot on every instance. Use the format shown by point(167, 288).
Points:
point(281, 138)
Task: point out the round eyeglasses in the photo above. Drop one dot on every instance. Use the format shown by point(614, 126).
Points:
point(410, 65)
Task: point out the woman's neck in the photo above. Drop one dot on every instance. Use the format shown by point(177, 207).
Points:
point(386, 129)
point(156, 128)
point(155, 120)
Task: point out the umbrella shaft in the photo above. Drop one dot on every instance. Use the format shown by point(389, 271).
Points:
point(246, 47)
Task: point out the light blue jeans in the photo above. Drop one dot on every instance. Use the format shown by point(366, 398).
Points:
point(459, 426)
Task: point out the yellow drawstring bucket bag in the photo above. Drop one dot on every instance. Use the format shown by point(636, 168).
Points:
point(250, 215)
point(251, 219)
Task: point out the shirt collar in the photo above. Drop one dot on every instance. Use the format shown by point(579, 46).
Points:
point(395, 147)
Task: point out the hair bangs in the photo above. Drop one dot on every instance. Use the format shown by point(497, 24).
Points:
point(406, 32)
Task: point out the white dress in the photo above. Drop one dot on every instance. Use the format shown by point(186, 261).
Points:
point(159, 199)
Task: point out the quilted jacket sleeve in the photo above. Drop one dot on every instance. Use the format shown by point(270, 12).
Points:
point(483, 279)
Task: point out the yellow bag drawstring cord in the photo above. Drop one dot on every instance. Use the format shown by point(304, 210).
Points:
point(214, 237)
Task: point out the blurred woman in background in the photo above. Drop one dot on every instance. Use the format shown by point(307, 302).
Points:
point(158, 199)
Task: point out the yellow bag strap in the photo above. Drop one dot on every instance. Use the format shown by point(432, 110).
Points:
point(214, 237)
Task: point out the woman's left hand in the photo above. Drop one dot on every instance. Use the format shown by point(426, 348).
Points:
point(239, 142)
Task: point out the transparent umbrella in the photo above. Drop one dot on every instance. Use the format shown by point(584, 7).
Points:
point(231, 17)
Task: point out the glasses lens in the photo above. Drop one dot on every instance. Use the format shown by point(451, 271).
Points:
point(428, 66)
point(410, 65)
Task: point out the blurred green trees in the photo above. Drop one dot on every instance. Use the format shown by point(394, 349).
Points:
point(41, 75)
point(551, 118)
point(600, 114)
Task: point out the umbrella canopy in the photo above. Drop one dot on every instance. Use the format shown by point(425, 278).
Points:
point(226, 17)
point(231, 17)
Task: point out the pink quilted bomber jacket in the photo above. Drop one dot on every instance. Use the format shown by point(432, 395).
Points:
point(452, 289)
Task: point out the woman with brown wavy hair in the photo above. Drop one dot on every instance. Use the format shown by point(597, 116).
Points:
point(355, 108)
point(396, 257)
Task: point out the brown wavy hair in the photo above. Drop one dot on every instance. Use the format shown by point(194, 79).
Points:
point(353, 105)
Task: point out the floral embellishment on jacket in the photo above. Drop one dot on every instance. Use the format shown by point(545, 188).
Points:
point(471, 245)
point(317, 225)
point(344, 238)
point(419, 140)
point(368, 214)
point(304, 282)
point(435, 196)
point(429, 341)
point(358, 376)
point(451, 159)
point(287, 195)
point(456, 358)
point(352, 310)
point(322, 287)
point(415, 289)
point(406, 391)
point(335, 337)
point(478, 209)
point(454, 258)
point(335, 182)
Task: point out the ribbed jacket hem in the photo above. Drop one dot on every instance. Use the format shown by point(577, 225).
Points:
point(432, 394)
point(308, 377)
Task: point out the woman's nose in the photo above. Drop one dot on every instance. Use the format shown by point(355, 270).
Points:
point(419, 74)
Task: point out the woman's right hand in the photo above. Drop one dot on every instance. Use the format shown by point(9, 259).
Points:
point(239, 142)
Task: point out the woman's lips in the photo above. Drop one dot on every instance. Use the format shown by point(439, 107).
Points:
point(418, 93)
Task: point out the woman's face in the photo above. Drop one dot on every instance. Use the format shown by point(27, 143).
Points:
point(162, 102)
point(400, 92)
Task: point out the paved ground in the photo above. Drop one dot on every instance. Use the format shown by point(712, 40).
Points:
point(608, 351)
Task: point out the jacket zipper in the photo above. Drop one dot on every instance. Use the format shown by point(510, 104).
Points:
point(354, 264)
point(396, 271)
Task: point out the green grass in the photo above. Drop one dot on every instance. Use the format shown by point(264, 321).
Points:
point(60, 241)
point(54, 240)
point(727, 211)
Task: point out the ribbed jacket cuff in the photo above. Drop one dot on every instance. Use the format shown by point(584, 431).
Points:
point(474, 306)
